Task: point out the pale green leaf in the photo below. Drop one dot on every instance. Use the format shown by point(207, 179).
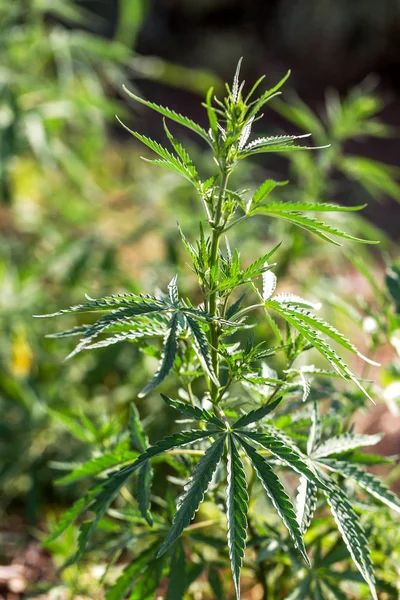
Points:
point(366, 481)
point(344, 443)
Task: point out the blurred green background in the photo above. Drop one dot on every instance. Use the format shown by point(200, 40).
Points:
point(81, 213)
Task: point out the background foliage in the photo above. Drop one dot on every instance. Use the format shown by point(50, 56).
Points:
point(80, 213)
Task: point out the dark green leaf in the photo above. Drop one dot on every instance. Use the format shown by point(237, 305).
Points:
point(194, 492)
point(200, 414)
point(284, 452)
point(256, 415)
point(168, 357)
point(202, 347)
point(276, 493)
point(237, 507)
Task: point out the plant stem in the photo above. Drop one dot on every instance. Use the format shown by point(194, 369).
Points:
point(213, 300)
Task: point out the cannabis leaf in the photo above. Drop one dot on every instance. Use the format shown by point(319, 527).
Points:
point(200, 414)
point(168, 356)
point(145, 476)
point(276, 493)
point(292, 212)
point(171, 114)
point(237, 506)
point(371, 484)
point(194, 492)
point(345, 442)
point(352, 533)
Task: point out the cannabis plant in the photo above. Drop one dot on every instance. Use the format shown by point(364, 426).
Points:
point(250, 426)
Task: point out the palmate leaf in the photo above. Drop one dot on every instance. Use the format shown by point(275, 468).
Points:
point(322, 326)
point(343, 443)
point(194, 492)
point(169, 161)
point(107, 303)
point(202, 347)
point(98, 465)
point(200, 414)
point(306, 502)
point(237, 507)
point(352, 533)
point(368, 482)
point(104, 493)
point(168, 357)
point(311, 224)
point(181, 152)
point(276, 493)
point(282, 451)
point(256, 415)
point(295, 318)
point(171, 114)
point(263, 191)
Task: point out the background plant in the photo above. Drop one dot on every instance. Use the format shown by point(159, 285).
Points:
point(228, 390)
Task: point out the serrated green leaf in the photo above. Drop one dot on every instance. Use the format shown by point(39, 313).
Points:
point(181, 152)
point(266, 96)
point(98, 465)
point(352, 533)
point(237, 508)
point(168, 357)
point(284, 452)
point(310, 224)
point(344, 443)
point(142, 302)
point(200, 414)
point(177, 579)
point(366, 481)
point(319, 344)
point(255, 415)
point(306, 502)
point(169, 161)
point(194, 492)
point(313, 207)
point(171, 114)
point(276, 493)
point(168, 443)
point(315, 432)
point(202, 347)
point(263, 191)
point(325, 328)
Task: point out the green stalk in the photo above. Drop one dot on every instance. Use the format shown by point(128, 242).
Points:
point(213, 300)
